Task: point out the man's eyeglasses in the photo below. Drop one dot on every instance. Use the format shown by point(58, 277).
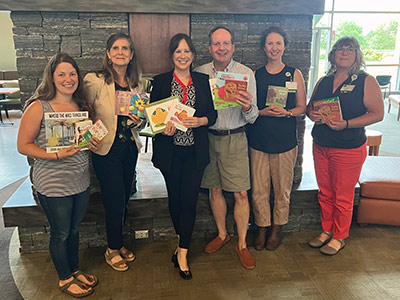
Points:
point(343, 50)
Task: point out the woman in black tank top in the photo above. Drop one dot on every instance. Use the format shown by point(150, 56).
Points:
point(273, 138)
point(340, 143)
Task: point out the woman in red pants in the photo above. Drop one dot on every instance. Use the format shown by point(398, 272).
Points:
point(340, 145)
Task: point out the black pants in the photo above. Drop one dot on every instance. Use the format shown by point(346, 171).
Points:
point(115, 174)
point(183, 186)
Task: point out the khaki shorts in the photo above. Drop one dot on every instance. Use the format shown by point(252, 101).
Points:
point(229, 163)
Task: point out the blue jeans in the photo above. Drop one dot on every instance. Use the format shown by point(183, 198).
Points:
point(65, 215)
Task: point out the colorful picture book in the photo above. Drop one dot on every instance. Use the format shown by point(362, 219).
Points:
point(97, 130)
point(178, 112)
point(60, 129)
point(122, 102)
point(80, 128)
point(329, 109)
point(131, 101)
point(226, 88)
point(277, 95)
point(157, 113)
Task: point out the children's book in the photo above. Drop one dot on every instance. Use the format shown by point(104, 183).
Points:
point(137, 103)
point(97, 130)
point(60, 129)
point(227, 87)
point(157, 113)
point(80, 128)
point(329, 109)
point(122, 102)
point(178, 112)
point(131, 101)
point(277, 95)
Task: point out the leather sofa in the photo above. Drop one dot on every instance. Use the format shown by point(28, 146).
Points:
point(380, 191)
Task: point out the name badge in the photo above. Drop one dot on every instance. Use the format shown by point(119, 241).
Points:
point(347, 88)
point(291, 86)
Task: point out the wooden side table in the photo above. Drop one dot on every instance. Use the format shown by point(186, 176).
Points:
point(374, 139)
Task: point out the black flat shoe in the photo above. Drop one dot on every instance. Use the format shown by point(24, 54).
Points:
point(174, 259)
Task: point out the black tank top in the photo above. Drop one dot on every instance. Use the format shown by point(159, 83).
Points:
point(352, 106)
point(272, 134)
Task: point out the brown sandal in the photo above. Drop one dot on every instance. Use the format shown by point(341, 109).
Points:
point(127, 254)
point(117, 266)
point(90, 278)
point(83, 286)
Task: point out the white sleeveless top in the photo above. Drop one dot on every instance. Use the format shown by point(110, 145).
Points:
point(59, 178)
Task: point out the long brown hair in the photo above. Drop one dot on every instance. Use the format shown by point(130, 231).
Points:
point(133, 72)
point(46, 91)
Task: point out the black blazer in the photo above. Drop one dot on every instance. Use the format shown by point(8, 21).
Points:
point(162, 144)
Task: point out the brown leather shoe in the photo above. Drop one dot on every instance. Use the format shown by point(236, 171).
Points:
point(259, 243)
point(246, 258)
point(274, 239)
point(216, 244)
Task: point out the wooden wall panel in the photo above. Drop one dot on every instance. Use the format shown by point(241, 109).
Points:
point(151, 34)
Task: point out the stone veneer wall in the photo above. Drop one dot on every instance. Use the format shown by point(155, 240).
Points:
point(39, 35)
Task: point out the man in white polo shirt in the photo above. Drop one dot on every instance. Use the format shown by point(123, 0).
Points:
point(229, 162)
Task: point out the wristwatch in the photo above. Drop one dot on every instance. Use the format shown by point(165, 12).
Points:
point(289, 114)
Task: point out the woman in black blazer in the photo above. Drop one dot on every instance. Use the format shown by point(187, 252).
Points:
point(182, 156)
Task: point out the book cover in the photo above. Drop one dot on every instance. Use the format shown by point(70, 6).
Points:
point(131, 101)
point(122, 102)
point(60, 129)
point(157, 113)
point(137, 103)
point(227, 87)
point(277, 95)
point(329, 109)
point(80, 128)
point(97, 130)
point(178, 112)
point(232, 88)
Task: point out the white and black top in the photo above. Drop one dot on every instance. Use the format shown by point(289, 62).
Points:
point(59, 178)
point(187, 93)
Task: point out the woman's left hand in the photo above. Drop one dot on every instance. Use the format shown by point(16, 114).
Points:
point(94, 144)
point(337, 125)
point(135, 119)
point(193, 122)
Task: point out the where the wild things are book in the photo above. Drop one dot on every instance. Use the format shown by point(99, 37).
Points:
point(60, 129)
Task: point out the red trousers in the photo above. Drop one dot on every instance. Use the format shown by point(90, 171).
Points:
point(337, 172)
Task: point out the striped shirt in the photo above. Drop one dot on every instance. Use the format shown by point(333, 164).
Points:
point(233, 117)
point(59, 178)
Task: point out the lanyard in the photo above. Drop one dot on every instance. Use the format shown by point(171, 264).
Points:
point(184, 87)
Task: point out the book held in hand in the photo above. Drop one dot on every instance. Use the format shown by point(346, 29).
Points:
point(329, 109)
point(157, 113)
point(226, 88)
point(276, 95)
point(60, 129)
point(97, 130)
point(80, 128)
point(178, 112)
point(131, 102)
point(122, 102)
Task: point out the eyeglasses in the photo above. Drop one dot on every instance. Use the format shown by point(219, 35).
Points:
point(343, 50)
